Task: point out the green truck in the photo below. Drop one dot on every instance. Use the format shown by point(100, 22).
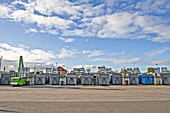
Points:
point(18, 81)
point(21, 79)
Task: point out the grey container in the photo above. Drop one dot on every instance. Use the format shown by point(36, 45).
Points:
point(117, 79)
point(104, 79)
point(86, 79)
point(133, 79)
point(54, 79)
point(40, 79)
point(71, 79)
point(165, 79)
point(5, 79)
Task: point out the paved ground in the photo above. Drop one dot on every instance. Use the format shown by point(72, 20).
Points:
point(85, 99)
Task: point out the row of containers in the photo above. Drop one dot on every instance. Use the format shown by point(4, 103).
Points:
point(88, 79)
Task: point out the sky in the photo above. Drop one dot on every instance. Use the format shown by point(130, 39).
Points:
point(85, 33)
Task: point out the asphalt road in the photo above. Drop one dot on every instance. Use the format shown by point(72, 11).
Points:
point(85, 99)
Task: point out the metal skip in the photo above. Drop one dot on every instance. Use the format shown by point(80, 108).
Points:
point(54, 79)
point(5, 79)
point(165, 79)
point(133, 79)
point(147, 79)
point(71, 79)
point(104, 79)
point(117, 79)
point(86, 79)
point(40, 79)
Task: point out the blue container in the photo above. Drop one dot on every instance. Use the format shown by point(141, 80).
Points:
point(140, 78)
point(147, 79)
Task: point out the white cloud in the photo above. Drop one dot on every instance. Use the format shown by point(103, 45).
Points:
point(89, 66)
point(64, 53)
point(53, 32)
point(160, 62)
point(32, 57)
point(93, 53)
point(35, 55)
point(23, 46)
point(119, 61)
point(154, 25)
point(161, 39)
point(4, 11)
point(67, 40)
point(85, 66)
point(58, 17)
point(31, 30)
point(50, 31)
point(49, 7)
point(157, 52)
point(48, 22)
point(159, 7)
point(94, 11)
point(118, 53)
point(78, 66)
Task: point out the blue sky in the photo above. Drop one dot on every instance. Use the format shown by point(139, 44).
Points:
point(88, 33)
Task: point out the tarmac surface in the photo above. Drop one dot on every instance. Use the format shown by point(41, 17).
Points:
point(85, 99)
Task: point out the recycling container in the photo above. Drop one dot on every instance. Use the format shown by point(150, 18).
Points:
point(147, 79)
point(71, 79)
point(5, 79)
point(55, 79)
point(117, 79)
point(40, 79)
point(104, 79)
point(86, 79)
point(133, 79)
point(165, 78)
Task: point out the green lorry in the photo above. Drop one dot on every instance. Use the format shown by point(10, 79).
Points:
point(21, 79)
point(18, 81)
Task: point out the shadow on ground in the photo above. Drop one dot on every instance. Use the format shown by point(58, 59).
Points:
point(73, 87)
point(2, 110)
